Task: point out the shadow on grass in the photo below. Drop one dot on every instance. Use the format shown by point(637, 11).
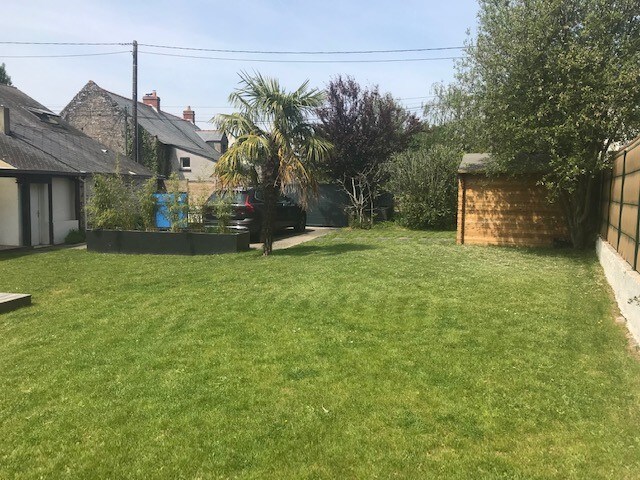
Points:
point(584, 257)
point(19, 252)
point(332, 249)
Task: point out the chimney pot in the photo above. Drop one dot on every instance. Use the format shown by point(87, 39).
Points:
point(5, 126)
point(189, 115)
point(152, 99)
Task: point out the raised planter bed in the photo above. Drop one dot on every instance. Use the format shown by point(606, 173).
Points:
point(170, 243)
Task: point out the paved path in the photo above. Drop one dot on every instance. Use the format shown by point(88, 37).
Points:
point(290, 239)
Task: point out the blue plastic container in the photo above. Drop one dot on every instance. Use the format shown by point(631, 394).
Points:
point(162, 217)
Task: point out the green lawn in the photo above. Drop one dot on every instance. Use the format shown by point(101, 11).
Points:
point(374, 354)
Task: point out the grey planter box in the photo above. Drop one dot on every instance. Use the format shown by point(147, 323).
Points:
point(170, 243)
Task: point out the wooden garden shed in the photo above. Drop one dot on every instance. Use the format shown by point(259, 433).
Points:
point(505, 209)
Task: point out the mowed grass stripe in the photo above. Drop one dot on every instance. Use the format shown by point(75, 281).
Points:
point(361, 354)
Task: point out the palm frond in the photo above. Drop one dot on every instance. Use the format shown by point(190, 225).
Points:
point(272, 129)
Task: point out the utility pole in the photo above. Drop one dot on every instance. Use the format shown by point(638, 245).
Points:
point(136, 150)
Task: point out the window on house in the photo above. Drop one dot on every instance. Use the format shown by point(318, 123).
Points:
point(185, 164)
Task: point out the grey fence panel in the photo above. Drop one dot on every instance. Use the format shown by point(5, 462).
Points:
point(331, 206)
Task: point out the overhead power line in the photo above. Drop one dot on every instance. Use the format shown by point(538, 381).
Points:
point(67, 55)
point(302, 52)
point(262, 60)
point(229, 50)
point(94, 44)
point(416, 98)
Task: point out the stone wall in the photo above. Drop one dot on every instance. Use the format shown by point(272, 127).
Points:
point(99, 116)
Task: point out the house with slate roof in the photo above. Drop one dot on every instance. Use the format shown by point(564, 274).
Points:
point(167, 143)
point(216, 138)
point(44, 166)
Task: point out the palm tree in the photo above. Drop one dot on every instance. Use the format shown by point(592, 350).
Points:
point(276, 146)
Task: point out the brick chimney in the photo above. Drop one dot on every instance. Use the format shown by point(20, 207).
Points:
point(5, 126)
point(152, 99)
point(189, 115)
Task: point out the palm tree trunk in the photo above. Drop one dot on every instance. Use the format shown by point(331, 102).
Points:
point(270, 200)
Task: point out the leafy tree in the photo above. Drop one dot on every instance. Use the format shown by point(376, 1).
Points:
point(558, 80)
point(366, 127)
point(276, 146)
point(5, 79)
point(453, 119)
point(423, 183)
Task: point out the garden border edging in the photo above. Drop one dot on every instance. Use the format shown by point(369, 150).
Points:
point(625, 283)
point(166, 243)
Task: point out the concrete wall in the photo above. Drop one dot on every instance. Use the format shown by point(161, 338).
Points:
point(625, 283)
point(9, 212)
point(201, 168)
point(64, 209)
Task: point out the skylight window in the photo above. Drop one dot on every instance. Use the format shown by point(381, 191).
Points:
point(45, 116)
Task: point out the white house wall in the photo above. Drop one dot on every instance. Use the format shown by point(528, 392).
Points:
point(64, 210)
point(9, 212)
point(201, 168)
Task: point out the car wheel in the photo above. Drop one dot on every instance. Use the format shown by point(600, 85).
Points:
point(301, 225)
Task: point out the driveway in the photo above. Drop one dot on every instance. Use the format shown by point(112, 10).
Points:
point(289, 238)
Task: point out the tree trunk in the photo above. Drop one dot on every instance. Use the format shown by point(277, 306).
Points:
point(579, 210)
point(270, 201)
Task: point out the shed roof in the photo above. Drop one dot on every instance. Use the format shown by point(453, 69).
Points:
point(522, 164)
point(41, 141)
point(474, 162)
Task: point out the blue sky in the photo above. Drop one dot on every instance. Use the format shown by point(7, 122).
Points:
point(283, 25)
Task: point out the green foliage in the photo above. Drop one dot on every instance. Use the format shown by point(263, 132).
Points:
point(74, 236)
point(117, 203)
point(356, 220)
point(147, 203)
point(197, 207)
point(276, 146)
point(423, 183)
point(111, 204)
point(223, 208)
point(153, 154)
point(177, 209)
point(453, 119)
point(366, 127)
point(558, 79)
point(5, 79)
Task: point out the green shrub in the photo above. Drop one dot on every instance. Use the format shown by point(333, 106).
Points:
point(74, 236)
point(423, 183)
point(146, 201)
point(117, 203)
point(111, 205)
point(358, 219)
point(197, 208)
point(177, 209)
point(223, 208)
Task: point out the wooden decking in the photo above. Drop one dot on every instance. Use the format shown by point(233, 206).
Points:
point(11, 301)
